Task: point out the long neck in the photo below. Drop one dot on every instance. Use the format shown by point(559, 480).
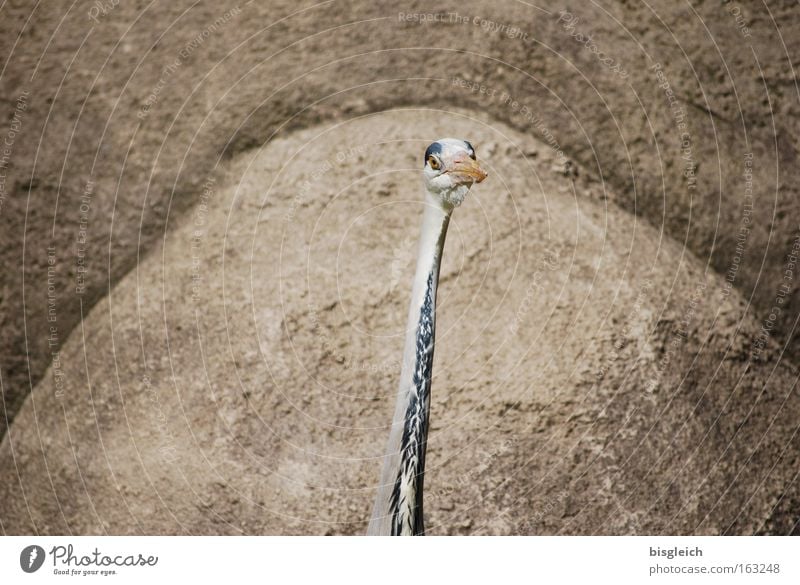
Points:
point(398, 505)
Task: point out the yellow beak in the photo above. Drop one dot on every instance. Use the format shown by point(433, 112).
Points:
point(467, 171)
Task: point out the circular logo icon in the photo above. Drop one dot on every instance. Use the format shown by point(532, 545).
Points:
point(31, 558)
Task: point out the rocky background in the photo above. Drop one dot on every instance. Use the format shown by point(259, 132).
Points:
point(616, 349)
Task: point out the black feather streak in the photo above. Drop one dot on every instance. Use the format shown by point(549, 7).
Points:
point(471, 150)
point(407, 516)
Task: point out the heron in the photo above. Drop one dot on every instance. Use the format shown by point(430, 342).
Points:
point(450, 169)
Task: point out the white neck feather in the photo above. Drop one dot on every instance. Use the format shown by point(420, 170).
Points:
point(398, 504)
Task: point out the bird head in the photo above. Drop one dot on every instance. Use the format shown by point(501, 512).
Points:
point(451, 169)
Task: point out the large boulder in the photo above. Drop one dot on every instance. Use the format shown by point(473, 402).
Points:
point(591, 376)
point(118, 115)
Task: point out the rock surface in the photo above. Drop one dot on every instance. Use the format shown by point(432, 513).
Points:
point(590, 376)
point(133, 106)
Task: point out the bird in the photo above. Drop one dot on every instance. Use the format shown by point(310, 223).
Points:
point(450, 169)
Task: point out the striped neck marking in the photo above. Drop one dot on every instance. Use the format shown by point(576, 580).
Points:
point(405, 502)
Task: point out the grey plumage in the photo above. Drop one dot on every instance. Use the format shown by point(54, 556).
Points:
point(450, 170)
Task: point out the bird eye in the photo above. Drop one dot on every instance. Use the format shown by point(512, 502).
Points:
point(434, 163)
